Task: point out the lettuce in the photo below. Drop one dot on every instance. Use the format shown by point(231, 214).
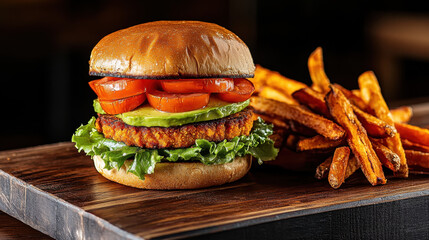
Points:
point(114, 153)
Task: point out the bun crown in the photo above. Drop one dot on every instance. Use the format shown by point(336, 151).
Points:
point(172, 50)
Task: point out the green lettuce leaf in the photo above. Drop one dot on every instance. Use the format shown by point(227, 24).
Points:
point(114, 153)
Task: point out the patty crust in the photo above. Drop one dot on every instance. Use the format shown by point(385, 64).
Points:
point(179, 136)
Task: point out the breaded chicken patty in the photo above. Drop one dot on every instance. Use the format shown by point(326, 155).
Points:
point(179, 136)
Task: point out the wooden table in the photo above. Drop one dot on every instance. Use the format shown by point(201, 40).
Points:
point(56, 190)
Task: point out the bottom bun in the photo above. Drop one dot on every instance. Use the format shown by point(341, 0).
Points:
point(181, 175)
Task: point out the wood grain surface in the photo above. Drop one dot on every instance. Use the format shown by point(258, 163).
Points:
point(56, 190)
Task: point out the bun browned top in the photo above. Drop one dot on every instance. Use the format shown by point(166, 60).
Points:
point(172, 50)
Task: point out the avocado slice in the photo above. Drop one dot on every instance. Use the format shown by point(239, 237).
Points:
point(148, 116)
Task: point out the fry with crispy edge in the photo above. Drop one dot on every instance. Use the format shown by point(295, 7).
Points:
point(272, 93)
point(357, 138)
point(316, 102)
point(416, 158)
point(338, 167)
point(313, 100)
point(352, 97)
point(409, 145)
point(402, 114)
point(375, 127)
point(322, 170)
point(318, 143)
point(321, 125)
point(371, 93)
point(387, 157)
point(265, 77)
point(317, 72)
point(413, 133)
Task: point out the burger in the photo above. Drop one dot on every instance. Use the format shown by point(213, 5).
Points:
point(172, 107)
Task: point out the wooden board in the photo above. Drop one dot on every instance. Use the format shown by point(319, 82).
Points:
point(56, 190)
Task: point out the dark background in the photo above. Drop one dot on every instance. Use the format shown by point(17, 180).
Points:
point(46, 46)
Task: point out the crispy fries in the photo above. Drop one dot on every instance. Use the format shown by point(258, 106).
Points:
point(318, 143)
point(408, 145)
point(387, 157)
point(338, 167)
point(317, 72)
point(316, 102)
point(375, 127)
point(352, 167)
point(402, 114)
point(417, 159)
point(312, 99)
point(371, 93)
point(330, 119)
point(413, 133)
point(321, 125)
point(322, 170)
point(357, 139)
point(264, 77)
point(352, 97)
point(272, 93)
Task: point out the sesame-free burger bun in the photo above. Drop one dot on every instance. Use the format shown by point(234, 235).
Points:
point(172, 50)
point(179, 175)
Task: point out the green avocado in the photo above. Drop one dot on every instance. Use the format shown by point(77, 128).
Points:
point(147, 116)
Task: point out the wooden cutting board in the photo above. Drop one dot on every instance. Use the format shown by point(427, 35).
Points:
point(57, 191)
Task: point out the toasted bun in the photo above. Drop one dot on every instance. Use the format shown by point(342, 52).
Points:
point(180, 175)
point(172, 50)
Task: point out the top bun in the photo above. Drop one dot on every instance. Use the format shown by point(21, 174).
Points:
point(172, 50)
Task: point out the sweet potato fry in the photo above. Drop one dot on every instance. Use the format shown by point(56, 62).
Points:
point(316, 102)
point(371, 93)
point(322, 170)
point(341, 110)
point(272, 93)
point(416, 158)
point(387, 157)
point(352, 166)
point(413, 133)
point(402, 114)
point(317, 72)
point(284, 84)
point(318, 143)
point(353, 98)
point(321, 125)
point(409, 145)
point(375, 127)
point(338, 167)
point(313, 100)
point(265, 77)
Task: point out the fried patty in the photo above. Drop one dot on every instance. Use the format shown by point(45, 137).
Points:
point(179, 136)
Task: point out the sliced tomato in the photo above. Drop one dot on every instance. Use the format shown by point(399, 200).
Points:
point(111, 88)
point(177, 102)
point(209, 85)
point(242, 91)
point(122, 105)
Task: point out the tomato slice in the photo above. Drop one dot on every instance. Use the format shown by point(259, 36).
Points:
point(111, 88)
point(242, 91)
point(122, 105)
point(177, 102)
point(209, 85)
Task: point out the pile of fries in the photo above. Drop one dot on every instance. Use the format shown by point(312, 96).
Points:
point(354, 127)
